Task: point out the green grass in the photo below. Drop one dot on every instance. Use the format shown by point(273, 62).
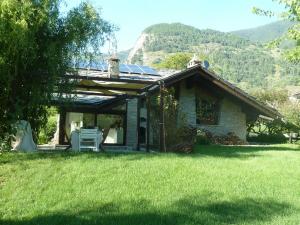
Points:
point(214, 185)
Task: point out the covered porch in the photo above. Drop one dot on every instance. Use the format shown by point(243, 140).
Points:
point(118, 107)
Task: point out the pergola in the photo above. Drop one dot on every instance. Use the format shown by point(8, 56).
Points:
point(93, 85)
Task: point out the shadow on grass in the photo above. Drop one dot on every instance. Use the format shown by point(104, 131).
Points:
point(241, 151)
point(17, 157)
point(190, 210)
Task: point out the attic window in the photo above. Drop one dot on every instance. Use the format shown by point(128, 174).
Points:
point(207, 110)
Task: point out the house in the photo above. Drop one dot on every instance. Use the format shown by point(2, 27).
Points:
point(116, 98)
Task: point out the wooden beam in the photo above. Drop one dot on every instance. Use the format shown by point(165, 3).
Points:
point(95, 93)
point(171, 80)
point(62, 122)
point(148, 124)
point(138, 123)
point(117, 80)
point(98, 87)
point(95, 120)
point(148, 90)
point(162, 135)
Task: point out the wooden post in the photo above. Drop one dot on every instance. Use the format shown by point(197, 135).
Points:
point(138, 124)
point(62, 123)
point(162, 120)
point(95, 120)
point(148, 124)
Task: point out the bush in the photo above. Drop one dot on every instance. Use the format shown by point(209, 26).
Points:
point(268, 138)
point(179, 136)
point(202, 138)
point(48, 130)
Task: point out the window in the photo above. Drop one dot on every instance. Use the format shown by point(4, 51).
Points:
point(207, 110)
point(112, 127)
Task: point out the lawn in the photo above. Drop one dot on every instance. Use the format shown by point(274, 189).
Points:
point(214, 185)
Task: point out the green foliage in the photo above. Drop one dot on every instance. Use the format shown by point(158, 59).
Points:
point(176, 37)
point(278, 98)
point(266, 33)
point(250, 65)
point(268, 138)
point(176, 127)
point(138, 58)
point(38, 45)
point(47, 131)
point(244, 63)
point(292, 13)
point(202, 138)
point(272, 131)
point(274, 97)
point(291, 112)
point(178, 61)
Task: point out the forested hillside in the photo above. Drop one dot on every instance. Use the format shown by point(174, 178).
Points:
point(265, 33)
point(241, 61)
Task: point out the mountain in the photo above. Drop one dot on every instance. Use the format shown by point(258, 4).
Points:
point(243, 62)
point(123, 55)
point(265, 33)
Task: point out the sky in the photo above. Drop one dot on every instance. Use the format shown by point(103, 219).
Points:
point(133, 16)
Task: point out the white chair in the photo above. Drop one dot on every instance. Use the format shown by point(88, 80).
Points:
point(88, 139)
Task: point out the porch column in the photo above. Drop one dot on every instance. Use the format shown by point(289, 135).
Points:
point(162, 135)
point(148, 124)
point(62, 122)
point(132, 123)
point(138, 124)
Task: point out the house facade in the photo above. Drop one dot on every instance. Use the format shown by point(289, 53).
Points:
point(118, 103)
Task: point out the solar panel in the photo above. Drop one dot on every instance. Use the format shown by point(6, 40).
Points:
point(124, 68)
point(98, 66)
point(149, 70)
point(135, 69)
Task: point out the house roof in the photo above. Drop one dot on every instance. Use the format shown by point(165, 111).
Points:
point(211, 77)
point(95, 82)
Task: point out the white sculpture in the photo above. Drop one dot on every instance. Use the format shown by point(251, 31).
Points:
point(23, 138)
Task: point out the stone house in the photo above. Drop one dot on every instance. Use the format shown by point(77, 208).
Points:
point(116, 99)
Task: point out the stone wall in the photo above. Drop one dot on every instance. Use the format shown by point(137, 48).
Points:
point(231, 119)
point(187, 104)
point(131, 135)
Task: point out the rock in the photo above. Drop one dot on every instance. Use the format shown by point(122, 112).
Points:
point(23, 139)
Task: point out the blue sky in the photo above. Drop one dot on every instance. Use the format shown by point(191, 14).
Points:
point(133, 16)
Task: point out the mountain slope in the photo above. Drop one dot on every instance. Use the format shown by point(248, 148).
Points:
point(236, 59)
point(265, 33)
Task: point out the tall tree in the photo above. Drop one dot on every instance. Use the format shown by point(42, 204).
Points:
point(39, 44)
point(178, 61)
point(292, 12)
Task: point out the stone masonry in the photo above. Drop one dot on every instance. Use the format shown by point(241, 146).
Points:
point(131, 136)
point(231, 119)
point(187, 104)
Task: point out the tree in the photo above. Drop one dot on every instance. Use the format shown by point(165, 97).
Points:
point(38, 45)
point(177, 61)
point(292, 13)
